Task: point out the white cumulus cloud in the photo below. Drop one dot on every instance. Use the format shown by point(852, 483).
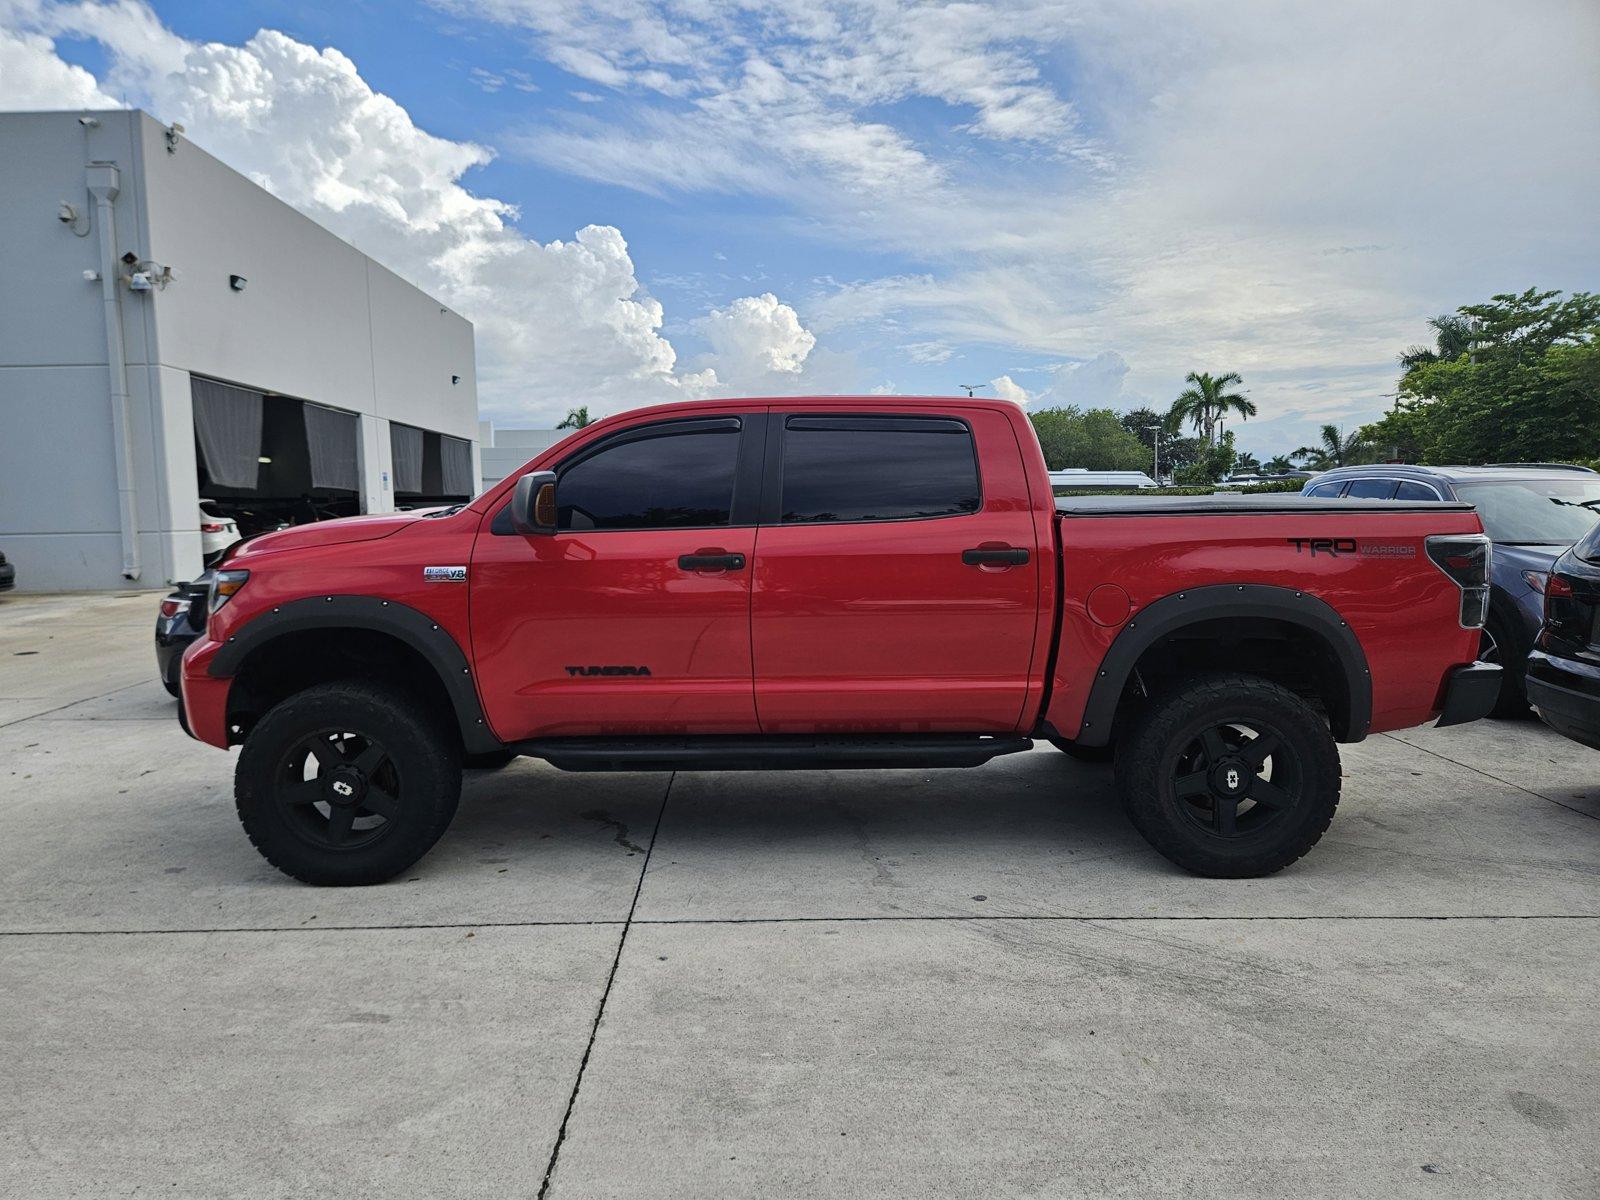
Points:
point(33, 77)
point(757, 336)
point(1008, 388)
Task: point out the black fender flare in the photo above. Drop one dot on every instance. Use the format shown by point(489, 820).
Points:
point(402, 622)
point(1350, 719)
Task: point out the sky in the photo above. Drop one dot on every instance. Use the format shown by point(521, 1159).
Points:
point(1062, 201)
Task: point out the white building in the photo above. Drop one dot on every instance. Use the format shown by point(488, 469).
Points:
point(502, 451)
point(170, 331)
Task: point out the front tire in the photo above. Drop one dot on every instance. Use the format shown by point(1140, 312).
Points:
point(347, 783)
point(1229, 776)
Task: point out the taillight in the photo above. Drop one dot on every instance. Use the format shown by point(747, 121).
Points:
point(1557, 591)
point(171, 608)
point(213, 527)
point(1465, 558)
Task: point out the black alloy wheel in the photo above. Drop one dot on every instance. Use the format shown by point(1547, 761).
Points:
point(1234, 778)
point(339, 790)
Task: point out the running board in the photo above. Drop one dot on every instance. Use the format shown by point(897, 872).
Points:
point(796, 752)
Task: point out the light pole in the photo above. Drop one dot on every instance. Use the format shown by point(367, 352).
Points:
point(1156, 466)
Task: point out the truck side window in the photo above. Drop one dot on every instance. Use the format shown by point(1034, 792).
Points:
point(1415, 491)
point(877, 469)
point(672, 481)
point(1371, 489)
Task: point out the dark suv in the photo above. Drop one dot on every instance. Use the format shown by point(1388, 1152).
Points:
point(1532, 511)
point(1564, 669)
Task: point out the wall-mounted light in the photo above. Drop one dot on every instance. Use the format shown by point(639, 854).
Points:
point(237, 282)
point(264, 460)
point(455, 379)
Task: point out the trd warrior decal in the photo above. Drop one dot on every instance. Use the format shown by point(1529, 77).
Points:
point(608, 670)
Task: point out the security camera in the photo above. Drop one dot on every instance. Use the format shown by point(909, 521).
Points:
point(139, 281)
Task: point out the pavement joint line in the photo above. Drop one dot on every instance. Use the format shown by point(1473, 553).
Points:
point(1496, 778)
point(1089, 919)
point(605, 994)
point(71, 704)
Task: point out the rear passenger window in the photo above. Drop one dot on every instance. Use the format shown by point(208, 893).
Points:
point(1415, 491)
point(1371, 489)
point(877, 469)
point(1324, 490)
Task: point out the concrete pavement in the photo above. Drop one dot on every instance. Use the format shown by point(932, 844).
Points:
point(962, 983)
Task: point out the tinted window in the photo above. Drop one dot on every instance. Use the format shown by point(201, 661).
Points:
point(877, 469)
point(665, 482)
point(1415, 491)
point(1371, 489)
point(1324, 489)
point(1549, 512)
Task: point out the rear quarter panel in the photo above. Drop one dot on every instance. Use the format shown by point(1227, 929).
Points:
point(1404, 610)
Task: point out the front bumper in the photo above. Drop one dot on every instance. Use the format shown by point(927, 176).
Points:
point(1470, 693)
point(1566, 695)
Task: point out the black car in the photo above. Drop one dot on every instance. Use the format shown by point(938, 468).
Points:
point(8, 575)
point(1531, 511)
point(181, 619)
point(1564, 668)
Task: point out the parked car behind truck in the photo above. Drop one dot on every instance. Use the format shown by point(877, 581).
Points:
point(830, 582)
point(1531, 511)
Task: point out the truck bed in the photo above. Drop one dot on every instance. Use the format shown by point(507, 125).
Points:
point(1257, 505)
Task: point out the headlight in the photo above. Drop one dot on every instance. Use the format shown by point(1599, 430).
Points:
point(223, 586)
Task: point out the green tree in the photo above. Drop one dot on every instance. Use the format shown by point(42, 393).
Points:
point(1094, 439)
point(1247, 462)
point(1278, 464)
point(1527, 387)
point(1334, 448)
point(1211, 464)
point(576, 418)
point(1207, 400)
point(1453, 336)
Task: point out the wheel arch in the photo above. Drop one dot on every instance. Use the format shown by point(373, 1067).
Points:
point(319, 638)
point(1344, 678)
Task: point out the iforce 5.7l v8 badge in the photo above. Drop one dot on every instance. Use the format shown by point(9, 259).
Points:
point(444, 574)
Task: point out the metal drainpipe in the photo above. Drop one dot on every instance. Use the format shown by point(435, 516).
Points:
point(103, 186)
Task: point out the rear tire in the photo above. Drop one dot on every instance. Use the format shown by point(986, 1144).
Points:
point(347, 783)
point(1229, 776)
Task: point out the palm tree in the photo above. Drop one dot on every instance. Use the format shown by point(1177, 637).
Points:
point(1279, 464)
point(1247, 463)
point(1208, 400)
point(1334, 449)
point(576, 418)
point(1453, 336)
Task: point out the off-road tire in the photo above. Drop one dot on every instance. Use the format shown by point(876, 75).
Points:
point(420, 750)
point(1152, 756)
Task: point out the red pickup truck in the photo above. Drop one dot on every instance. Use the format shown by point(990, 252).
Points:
point(822, 583)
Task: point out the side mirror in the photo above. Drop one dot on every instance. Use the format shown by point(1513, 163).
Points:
point(533, 503)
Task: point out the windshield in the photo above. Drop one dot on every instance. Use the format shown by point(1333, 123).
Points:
point(1549, 512)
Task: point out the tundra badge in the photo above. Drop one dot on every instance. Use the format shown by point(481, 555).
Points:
point(444, 574)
